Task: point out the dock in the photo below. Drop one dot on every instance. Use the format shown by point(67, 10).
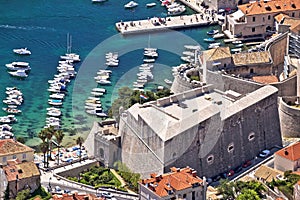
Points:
point(161, 24)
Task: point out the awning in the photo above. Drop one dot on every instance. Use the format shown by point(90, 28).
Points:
point(216, 63)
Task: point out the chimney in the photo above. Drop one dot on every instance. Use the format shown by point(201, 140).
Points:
point(286, 152)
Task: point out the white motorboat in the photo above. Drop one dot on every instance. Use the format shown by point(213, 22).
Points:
point(167, 81)
point(188, 53)
point(192, 47)
point(176, 11)
point(98, 1)
point(101, 114)
point(12, 110)
point(57, 96)
point(152, 60)
point(55, 102)
point(5, 127)
point(93, 111)
point(99, 90)
point(18, 66)
point(219, 35)
point(97, 94)
point(236, 50)
point(172, 5)
point(151, 54)
point(131, 4)
point(149, 5)
point(19, 73)
point(104, 82)
point(112, 63)
point(214, 45)
point(237, 42)
point(12, 102)
point(94, 98)
point(8, 119)
point(54, 113)
point(22, 51)
point(71, 56)
point(213, 32)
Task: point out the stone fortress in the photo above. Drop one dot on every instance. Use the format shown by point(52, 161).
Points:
point(243, 103)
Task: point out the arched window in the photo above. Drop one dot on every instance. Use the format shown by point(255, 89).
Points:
point(251, 136)
point(230, 147)
point(210, 159)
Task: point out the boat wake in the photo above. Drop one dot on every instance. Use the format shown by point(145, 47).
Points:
point(29, 28)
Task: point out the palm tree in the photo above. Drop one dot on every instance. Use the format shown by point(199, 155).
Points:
point(49, 134)
point(44, 148)
point(79, 142)
point(59, 135)
point(42, 135)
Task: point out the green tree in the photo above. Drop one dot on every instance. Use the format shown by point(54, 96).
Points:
point(21, 139)
point(79, 141)
point(248, 194)
point(59, 135)
point(23, 194)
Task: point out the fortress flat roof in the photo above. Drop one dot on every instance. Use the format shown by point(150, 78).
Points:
point(250, 58)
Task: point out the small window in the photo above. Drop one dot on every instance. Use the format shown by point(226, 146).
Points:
point(24, 156)
point(14, 156)
point(230, 148)
point(251, 136)
point(4, 159)
point(253, 19)
point(251, 71)
point(269, 17)
point(253, 30)
point(210, 159)
point(293, 14)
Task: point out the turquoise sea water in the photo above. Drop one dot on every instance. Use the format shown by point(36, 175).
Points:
point(42, 26)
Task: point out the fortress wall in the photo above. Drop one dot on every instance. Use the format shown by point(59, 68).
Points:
point(289, 118)
point(286, 87)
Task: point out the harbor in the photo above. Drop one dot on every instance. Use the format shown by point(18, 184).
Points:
point(161, 24)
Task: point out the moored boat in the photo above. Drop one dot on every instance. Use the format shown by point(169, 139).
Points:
point(212, 32)
point(131, 4)
point(19, 73)
point(150, 4)
point(22, 51)
point(209, 39)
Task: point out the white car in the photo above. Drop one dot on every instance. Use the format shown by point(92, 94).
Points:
point(107, 195)
point(264, 153)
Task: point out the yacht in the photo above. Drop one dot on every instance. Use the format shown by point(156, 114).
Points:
point(19, 73)
point(131, 4)
point(54, 113)
point(8, 119)
point(177, 10)
point(212, 32)
point(22, 51)
point(151, 4)
point(18, 66)
point(98, 1)
point(57, 96)
point(99, 90)
point(12, 110)
point(103, 82)
point(167, 81)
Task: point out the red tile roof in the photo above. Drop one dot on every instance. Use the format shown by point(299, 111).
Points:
point(10, 146)
point(291, 152)
point(23, 170)
point(178, 179)
point(265, 79)
point(273, 6)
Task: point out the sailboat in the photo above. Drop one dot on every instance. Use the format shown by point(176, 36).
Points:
point(69, 55)
point(150, 52)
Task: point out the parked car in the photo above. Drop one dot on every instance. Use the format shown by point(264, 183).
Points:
point(107, 195)
point(223, 175)
point(230, 173)
point(246, 164)
point(264, 153)
point(216, 178)
point(238, 169)
point(58, 189)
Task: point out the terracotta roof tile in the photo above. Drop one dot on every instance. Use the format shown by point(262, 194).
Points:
point(291, 152)
point(280, 17)
point(177, 179)
point(267, 173)
point(23, 170)
point(76, 196)
point(217, 53)
point(9, 146)
point(250, 58)
point(265, 79)
point(261, 7)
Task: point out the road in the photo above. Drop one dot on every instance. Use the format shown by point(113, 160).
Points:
point(48, 179)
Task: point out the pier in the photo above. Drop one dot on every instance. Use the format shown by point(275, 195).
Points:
point(160, 24)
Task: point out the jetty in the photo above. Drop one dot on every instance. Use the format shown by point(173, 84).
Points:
point(161, 24)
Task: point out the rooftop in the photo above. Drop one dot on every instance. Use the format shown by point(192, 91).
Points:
point(291, 152)
point(181, 112)
point(178, 179)
point(22, 170)
point(10, 146)
point(280, 17)
point(250, 58)
point(217, 53)
point(265, 7)
point(76, 196)
point(265, 79)
point(267, 173)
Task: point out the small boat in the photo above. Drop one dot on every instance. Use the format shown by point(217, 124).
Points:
point(237, 42)
point(209, 39)
point(176, 11)
point(239, 45)
point(93, 111)
point(101, 114)
point(167, 81)
point(12, 110)
point(103, 82)
point(112, 63)
point(99, 90)
point(218, 35)
point(55, 102)
point(19, 73)
point(151, 54)
point(192, 47)
point(57, 96)
point(188, 53)
point(212, 32)
point(54, 113)
point(18, 66)
point(71, 56)
point(8, 119)
point(98, 1)
point(236, 50)
point(151, 60)
point(214, 45)
point(12, 102)
point(149, 5)
point(97, 94)
point(22, 51)
point(131, 4)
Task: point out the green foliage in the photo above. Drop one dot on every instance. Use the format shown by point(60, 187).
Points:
point(23, 194)
point(41, 193)
point(97, 177)
point(128, 176)
point(248, 194)
point(128, 97)
point(21, 139)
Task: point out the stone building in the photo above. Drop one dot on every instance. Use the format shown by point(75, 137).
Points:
point(177, 184)
point(103, 142)
point(12, 149)
point(210, 130)
point(297, 190)
point(22, 176)
point(257, 18)
point(288, 158)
